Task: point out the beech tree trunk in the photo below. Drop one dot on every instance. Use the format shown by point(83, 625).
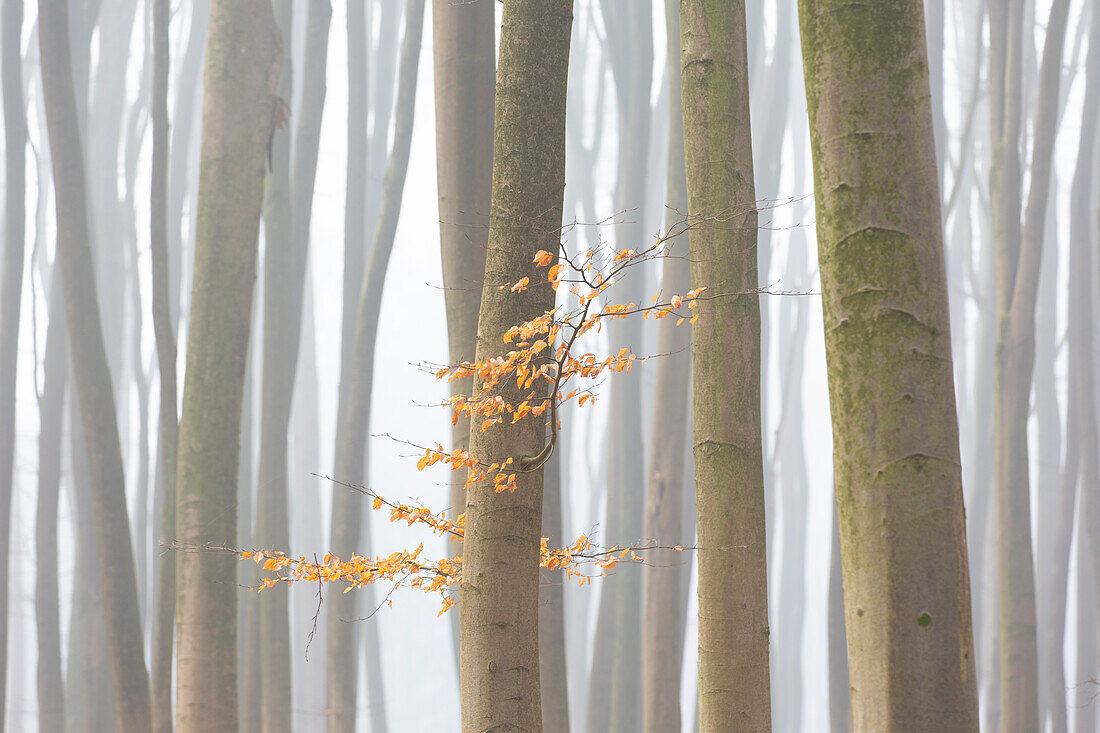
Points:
point(239, 114)
point(615, 683)
point(93, 379)
point(51, 689)
point(465, 71)
point(888, 351)
point(164, 332)
point(1017, 291)
point(662, 631)
point(353, 416)
point(499, 591)
point(734, 690)
point(11, 287)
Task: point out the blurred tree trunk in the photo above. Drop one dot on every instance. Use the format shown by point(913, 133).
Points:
point(11, 287)
point(899, 493)
point(729, 469)
point(1083, 198)
point(498, 604)
point(615, 682)
point(662, 631)
point(353, 416)
point(553, 687)
point(465, 71)
point(307, 645)
point(239, 120)
point(88, 677)
point(182, 162)
point(51, 690)
point(1019, 257)
point(93, 379)
point(287, 207)
point(164, 332)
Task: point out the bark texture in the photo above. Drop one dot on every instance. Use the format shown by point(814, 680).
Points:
point(888, 351)
point(92, 376)
point(498, 602)
point(243, 57)
point(734, 690)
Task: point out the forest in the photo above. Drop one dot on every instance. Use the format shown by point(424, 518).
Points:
point(606, 366)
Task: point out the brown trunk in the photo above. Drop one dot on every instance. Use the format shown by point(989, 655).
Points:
point(840, 691)
point(499, 669)
point(734, 689)
point(888, 351)
point(93, 380)
point(239, 117)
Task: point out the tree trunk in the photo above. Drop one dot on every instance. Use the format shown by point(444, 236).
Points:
point(499, 669)
point(553, 690)
point(11, 288)
point(465, 70)
point(51, 690)
point(1013, 368)
point(888, 351)
point(662, 631)
point(239, 116)
point(164, 331)
point(615, 694)
point(840, 690)
point(729, 469)
point(93, 380)
point(354, 415)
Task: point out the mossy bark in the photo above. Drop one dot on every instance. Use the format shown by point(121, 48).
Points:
point(734, 688)
point(498, 601)
point(464, 51)
point(353, 415)
point(662, 630)
point(888, 351)
point(243, 57)
point(92, 376)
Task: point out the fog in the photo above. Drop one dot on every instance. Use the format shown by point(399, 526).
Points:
point(616, 196)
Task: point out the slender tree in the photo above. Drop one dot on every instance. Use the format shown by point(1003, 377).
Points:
point(51, 404)
point(353, 412)
point(1017, 288)
point(164, 332)
point(498, 602)
point(464, 72)
point(615, 684)
point(729, 469)
point(888, 351)
point(11, 285)
point(93, 379)
point(662, 633)
point(239, 116)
